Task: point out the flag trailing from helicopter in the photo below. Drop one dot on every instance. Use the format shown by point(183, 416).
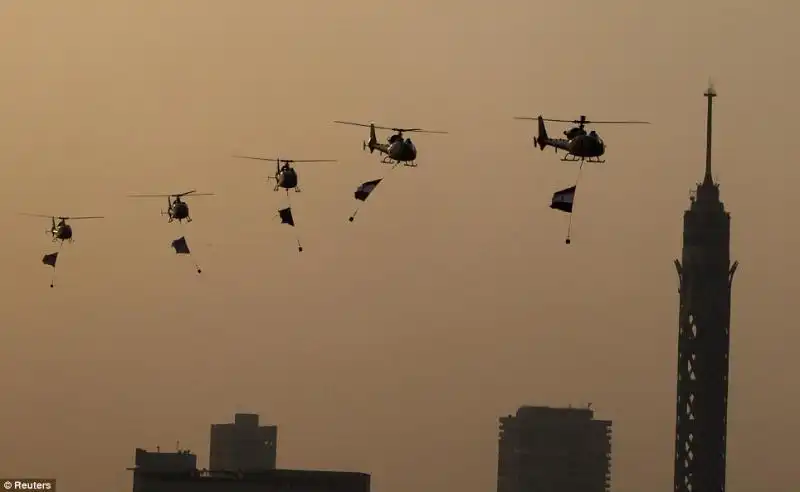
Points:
point(181, 247)
point(285, 214)
point(363, 192)
point(564, 201)
point(50, 260)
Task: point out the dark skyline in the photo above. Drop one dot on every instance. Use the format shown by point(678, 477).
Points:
point(452, 298)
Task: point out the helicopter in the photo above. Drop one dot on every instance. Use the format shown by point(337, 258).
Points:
point(285, 175)
point(579, 145)
point(177, 209)
point(61, 231)
point(397, 150)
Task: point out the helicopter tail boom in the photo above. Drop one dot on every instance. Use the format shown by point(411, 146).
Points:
point(373, 139)
point(542, 139)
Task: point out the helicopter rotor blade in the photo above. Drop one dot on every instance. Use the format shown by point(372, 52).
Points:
point(39, 215)
point(365, 125)
point(394, 129)
point(255, 158)
point(628, 122)
point(563, 121)
point(291, 161)
point(587, 122)
point(417, 130)
point(190, 194)
point(82, 217)
point(176, 195)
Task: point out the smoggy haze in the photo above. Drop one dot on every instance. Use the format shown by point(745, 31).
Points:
point(390, 345)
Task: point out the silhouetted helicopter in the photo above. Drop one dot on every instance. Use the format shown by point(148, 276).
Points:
point(285, 176)
point(396, 150)
point(61, 231)
point(579, 145)
point(177, 209)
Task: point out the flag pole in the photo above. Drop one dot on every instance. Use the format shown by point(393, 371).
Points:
point(569, 227)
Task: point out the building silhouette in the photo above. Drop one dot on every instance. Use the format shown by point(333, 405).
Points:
point(544, 449)
point(706, 276)
point(243, 445)
point(177, 472)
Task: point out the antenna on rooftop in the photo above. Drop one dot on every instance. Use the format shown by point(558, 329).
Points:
point(710, 94)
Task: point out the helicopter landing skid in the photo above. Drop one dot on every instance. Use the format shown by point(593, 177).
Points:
point(572, 158)
point(410, 164)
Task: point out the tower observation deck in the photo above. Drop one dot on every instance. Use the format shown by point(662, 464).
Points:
point(706, 275)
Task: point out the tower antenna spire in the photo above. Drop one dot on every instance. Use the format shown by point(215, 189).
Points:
point(710, 95)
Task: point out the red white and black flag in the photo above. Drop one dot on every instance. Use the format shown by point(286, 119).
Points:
point(563, 199)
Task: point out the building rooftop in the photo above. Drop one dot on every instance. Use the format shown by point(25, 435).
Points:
point(178, 466)
point(265, 475)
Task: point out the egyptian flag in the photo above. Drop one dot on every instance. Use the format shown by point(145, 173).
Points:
point(50, 259)
point(563, 199)
point(286, 216)
point(365, 189)
point(180, 246)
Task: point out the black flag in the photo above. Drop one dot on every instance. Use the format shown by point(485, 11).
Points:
point(363, 191)
point(286, 216)
point(50, 259)
point(180, 246)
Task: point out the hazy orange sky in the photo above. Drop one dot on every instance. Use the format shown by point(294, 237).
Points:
point(393, 344)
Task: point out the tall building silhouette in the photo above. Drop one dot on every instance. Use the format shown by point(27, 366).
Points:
point(243, 445)
point(554, 449)
point(706, 276)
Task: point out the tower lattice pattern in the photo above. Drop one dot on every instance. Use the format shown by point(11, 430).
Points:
point(706, 278)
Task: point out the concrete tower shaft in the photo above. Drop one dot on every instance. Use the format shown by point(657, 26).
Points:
point(706, 276)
